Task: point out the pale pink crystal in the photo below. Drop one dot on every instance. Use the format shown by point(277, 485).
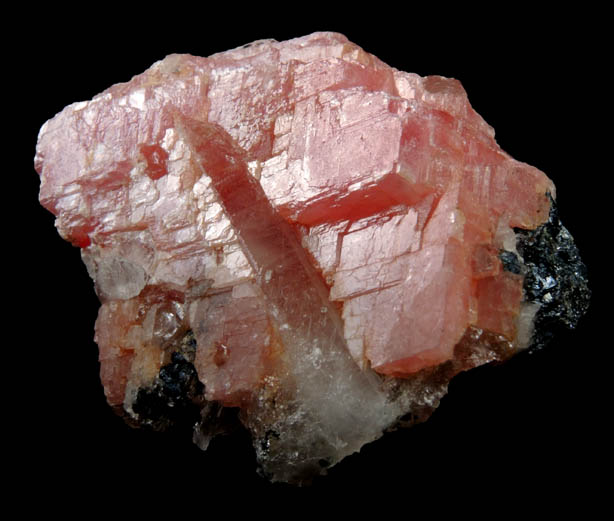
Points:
point(315, 217)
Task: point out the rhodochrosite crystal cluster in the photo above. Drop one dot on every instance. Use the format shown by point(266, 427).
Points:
point(303, 235)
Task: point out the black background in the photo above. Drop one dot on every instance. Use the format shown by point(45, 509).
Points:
point(529, 429)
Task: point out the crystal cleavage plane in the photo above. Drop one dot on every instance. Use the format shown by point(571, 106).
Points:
point(298, 232)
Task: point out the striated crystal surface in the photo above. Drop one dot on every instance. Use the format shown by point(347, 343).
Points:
point(303, 234)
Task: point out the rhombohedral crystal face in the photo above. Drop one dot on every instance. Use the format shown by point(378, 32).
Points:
point(298, 232)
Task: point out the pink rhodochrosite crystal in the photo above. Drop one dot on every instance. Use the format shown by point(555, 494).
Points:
point(298, 231)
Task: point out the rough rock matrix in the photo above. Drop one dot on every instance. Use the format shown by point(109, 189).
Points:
point(300, 234)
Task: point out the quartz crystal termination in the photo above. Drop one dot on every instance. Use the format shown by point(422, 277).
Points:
point(299, 233)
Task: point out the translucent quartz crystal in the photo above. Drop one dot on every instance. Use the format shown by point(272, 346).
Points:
point(301, 232)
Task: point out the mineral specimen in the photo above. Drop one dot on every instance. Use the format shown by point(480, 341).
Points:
point(300, 233)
